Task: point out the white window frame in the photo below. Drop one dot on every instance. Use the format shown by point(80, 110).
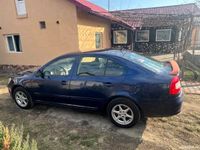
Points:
point(7, 44)
point(141, 40)
point(170, 35)
point(21, 8)
point(114, 37)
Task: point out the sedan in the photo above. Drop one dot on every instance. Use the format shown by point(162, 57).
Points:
point(125, 85)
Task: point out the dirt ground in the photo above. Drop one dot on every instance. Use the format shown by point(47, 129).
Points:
point(69, 129)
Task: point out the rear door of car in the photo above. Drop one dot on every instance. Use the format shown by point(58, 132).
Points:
point(95, 79)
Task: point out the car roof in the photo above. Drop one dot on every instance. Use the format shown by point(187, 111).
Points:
point(109, 52)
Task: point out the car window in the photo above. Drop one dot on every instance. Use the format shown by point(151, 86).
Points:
point(61, 67)
point(92, 66)
point(114, 69)
point(147, 63)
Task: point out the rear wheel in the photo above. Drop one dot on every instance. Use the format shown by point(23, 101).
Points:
point(123, 112)
point(22, 98)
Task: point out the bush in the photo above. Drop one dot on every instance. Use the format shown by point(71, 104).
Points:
point(13, 139)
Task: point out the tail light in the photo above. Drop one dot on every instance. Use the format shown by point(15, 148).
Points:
point(175, 86)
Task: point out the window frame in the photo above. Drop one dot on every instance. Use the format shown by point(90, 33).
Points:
point(17, 11)
point(101, 40)
point(114, 37)
point(170, 35)
point(14, 44)
point(136, 36)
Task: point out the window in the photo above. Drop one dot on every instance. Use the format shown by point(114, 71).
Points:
point(42, 24)
point(120, 37)
point(113, 69)
point(61, 67)
point(148, 63)
point(92, 66)
point(13, 43)
point(97, 66)
point(163, 35)
point(142, 36)
point(99, 40)
point(21, 7)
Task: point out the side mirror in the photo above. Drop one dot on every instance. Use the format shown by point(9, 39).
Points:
point(46, 74)
point(39, 73)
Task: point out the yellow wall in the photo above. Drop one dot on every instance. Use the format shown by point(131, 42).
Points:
point(88, 25)
point(39, 46)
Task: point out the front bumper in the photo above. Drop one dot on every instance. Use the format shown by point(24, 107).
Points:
point(164, 108)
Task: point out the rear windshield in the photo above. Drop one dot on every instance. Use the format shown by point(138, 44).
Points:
point(148, 63)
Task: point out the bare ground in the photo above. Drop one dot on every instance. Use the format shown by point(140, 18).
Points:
point(64, 128)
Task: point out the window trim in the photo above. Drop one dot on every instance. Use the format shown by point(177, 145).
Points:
point(142, 40)
point(115, 37)
point(7, 44)
point(170, 35)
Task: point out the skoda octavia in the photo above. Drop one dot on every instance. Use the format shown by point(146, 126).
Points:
point(125, 85)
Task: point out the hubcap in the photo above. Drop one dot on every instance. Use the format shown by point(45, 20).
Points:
point(122, 114)
point(21, 99)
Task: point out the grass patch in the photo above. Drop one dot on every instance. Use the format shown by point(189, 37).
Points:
point(14, 139)
point(185, 122)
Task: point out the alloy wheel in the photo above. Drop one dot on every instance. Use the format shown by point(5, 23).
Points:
point(21, 98)
point(122, 114)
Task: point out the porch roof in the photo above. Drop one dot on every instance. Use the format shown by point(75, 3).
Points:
point(99, 11)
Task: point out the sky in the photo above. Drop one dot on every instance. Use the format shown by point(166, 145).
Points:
point(130, 4)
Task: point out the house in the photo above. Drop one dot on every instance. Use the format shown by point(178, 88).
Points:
point(159, 30)
point(33, 32)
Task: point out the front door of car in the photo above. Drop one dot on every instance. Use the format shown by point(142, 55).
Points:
point(53, 85)
point(95, 80)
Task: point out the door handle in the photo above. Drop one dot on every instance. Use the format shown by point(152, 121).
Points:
point(64, 82)
point(107, 84)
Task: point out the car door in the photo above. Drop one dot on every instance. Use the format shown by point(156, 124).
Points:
point(54, 85)
point(96, 79)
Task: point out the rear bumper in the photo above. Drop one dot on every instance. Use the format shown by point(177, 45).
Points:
point(164, 108)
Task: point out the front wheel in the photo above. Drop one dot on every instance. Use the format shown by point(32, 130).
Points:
point(22, 98)
point(123, 112)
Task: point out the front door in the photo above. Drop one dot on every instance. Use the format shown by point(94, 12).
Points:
point(54, 85)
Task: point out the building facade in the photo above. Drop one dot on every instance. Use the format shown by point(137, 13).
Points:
point(159, 30)
point(34, 32)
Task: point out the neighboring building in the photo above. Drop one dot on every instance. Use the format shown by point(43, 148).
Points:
point(33, 32)
point(159, 29)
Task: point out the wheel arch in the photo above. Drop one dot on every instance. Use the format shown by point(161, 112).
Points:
point(14, 87)
point(127, 97)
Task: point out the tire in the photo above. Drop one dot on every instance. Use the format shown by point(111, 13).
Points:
point(113, 110)
point(26, 101)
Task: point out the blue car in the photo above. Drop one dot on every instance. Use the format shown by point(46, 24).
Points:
point(125, 85)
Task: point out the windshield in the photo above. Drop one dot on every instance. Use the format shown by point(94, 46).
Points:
point(146, 62)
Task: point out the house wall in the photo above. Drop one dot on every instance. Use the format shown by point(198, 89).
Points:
point(38, 45)
point(88, 25)
point(152, 23)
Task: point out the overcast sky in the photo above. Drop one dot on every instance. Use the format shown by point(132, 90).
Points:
point(128, 4)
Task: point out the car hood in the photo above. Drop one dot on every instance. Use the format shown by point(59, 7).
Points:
point(27, 72)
